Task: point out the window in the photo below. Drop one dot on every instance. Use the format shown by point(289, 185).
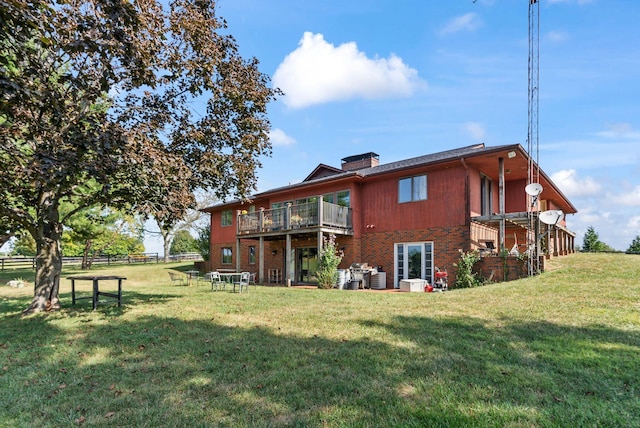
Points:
point(227, 218)
point(310, 200)
point(342, 198)
point(227, 256)
point(277, 205)
point(252, 255)
point(412, 189)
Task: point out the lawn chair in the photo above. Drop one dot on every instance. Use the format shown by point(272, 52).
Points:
point(178, 278)
point(252, 278)
point(216, 282)
point(243, 282)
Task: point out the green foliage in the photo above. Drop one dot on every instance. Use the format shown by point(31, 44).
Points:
point(465, 277)
point(96, 231)
point(97, 109)
point(183, 242)
point(24, 246)
point(592, 243)
point(634, 248)
point(328, 263)
point(202, 241)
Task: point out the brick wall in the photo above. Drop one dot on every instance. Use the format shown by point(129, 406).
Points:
point(378, 247)
point(508, 269)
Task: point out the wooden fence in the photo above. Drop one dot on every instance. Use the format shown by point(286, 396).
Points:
point(9, 263)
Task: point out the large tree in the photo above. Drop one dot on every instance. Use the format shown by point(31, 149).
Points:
point(120, 103)
point(193, 219)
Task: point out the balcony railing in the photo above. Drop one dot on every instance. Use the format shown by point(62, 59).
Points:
point(314, 214)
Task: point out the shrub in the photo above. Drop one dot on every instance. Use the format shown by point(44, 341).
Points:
point(465, 277)
point(330, 258)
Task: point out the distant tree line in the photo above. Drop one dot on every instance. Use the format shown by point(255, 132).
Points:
point(591, 243)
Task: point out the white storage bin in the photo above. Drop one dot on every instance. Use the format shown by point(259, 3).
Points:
point(413, 285)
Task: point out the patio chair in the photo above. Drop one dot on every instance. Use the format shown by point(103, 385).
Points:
point(243, 282)
point(252, 278)
point(217, 283)
point(178, 278)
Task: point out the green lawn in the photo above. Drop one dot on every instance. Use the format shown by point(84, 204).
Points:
point(560, 349)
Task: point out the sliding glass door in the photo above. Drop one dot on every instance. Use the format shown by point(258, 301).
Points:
point(307, 265)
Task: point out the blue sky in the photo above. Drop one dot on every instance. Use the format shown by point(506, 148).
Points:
point(407, 78)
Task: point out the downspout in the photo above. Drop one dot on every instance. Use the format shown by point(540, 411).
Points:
point(467, 205)
point(467, 196)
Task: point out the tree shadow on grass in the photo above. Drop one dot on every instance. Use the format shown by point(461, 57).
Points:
point(557, 375)
point(412, 371)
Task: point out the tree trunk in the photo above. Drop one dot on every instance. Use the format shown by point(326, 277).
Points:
point(48, 270)
point(86, 260)
point(48, 237)
point(166, 241)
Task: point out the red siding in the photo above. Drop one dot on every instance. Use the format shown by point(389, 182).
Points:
point(445, 204)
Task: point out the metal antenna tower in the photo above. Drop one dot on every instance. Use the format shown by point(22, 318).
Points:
point(533, 170)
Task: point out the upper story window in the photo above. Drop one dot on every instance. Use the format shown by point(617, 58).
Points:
point(342, 198)
point(227, 218)
point(412, 189)
point(277, 205)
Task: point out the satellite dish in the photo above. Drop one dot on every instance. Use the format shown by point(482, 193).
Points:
point(533, 189)
point(551, 217)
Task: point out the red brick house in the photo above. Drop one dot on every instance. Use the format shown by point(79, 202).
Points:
point(409, 216)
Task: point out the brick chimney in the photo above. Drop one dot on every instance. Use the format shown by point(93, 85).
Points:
point(365, 160)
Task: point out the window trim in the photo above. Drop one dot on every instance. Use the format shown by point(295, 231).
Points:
point(223, 217)
point(252, 254)
point(413, 189)
point(223, 250)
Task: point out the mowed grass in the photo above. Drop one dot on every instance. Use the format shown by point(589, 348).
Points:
point(559, 349)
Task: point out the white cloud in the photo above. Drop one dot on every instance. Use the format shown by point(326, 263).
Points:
point(475, 130)
point(318, 72)
point(619, 130)
point(631, 199)
point(468, 22)
point(279, 138)
point(572, 186)
point(634, 223)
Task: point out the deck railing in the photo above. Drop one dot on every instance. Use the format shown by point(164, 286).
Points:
point(313, 214)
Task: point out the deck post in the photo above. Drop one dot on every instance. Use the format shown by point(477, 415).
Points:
point(261, 261)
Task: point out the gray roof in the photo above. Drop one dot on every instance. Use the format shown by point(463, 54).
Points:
point(461, 152)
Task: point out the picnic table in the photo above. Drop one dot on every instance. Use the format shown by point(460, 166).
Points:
point(96, 293)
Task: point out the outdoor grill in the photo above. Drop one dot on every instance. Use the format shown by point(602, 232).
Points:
point(361, 275)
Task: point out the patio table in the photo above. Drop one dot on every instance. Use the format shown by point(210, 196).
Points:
point(192, 274)
point(95, 296)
